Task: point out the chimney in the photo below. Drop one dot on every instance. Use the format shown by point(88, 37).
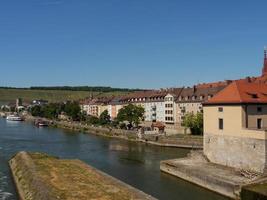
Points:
point(194, 88)
point(248, 79)
point(264, 69)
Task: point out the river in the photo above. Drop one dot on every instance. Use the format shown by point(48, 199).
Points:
point(134, 163)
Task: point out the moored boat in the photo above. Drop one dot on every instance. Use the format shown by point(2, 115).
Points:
point(14, 118)
point(40, 123)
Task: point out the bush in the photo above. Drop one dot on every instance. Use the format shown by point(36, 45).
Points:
point(114, 123)
point(104, 118)
point(93, 120)
point(194, 122)
point(123, 126)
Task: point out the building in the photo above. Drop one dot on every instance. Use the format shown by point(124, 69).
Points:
point(96, 106)
point(235, 123)
point(151, 100)
point(113, 107)
point(155, 107)
point(39, 102)
point(190, 99)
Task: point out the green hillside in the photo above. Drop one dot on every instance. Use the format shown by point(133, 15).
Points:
point(9, 95)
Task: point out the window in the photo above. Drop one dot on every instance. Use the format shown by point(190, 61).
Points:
point(221, 124)
point(220, 109)
point(259, 123)
point(259, 109)
point(169, 118)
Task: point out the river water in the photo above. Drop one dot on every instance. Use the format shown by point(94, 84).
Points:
point(134, 163)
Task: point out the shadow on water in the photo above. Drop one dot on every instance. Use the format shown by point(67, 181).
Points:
point(134, 163)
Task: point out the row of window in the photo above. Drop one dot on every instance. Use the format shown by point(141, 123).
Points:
point(259, 109)
point(169, 112)
point(168, 98)
point(168, 105)
point(221, 125)
point(202, 97)
point(168, 118)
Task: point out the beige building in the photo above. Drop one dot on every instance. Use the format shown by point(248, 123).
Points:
point(190, 99)
point(113, 107)
point(95, 107)
point(235, 123)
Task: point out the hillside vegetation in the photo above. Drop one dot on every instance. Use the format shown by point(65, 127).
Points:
point(9, 95)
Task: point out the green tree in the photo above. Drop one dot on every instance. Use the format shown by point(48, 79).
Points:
point(37, 111)
point(115, 123)
point(52, 110)
point(93, 120)
point(132, 114)
point(194, 122)
point(73, 110)
point(104, 118)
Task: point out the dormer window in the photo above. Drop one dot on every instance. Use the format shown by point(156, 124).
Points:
point(253, 95)
point(210, 96)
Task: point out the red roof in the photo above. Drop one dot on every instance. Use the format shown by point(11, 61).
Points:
point(214, 84)
point(241, 92)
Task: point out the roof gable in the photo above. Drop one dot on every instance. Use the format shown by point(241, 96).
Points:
point(241, 92)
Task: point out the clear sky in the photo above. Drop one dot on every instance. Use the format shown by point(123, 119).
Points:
point(130, 43)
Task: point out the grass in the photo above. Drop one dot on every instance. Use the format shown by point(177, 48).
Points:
point(45, 177)
point(9, 95)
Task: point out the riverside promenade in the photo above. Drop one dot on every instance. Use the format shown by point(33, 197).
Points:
point(176, 141)
point(43, 177)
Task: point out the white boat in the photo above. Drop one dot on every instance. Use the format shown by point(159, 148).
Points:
point(13, 118)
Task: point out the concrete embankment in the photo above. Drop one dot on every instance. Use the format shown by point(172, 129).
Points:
point(196, 169)
point(179, 141)
point(255, 191)
point(43, 177)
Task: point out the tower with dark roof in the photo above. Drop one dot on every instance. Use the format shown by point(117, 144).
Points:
point(264, 69)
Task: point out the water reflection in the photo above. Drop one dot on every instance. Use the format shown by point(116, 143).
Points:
point(135, 164)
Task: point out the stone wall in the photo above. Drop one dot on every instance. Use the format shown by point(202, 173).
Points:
point(238, 152)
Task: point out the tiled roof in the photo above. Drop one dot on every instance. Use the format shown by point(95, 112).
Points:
point(147, 95)
point(241, 92)
point(198, 93)
point(214, 84)
point(96, 101)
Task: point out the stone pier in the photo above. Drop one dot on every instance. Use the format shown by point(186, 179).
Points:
point(218, 178)
point(43, 177)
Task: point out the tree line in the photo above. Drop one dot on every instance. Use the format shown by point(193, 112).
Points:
point(128, 117)
point(53, 110)
point(86, 88)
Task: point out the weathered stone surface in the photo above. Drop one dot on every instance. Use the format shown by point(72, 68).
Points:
point(257, 191)
point(42, 177)
point(196, 169)
point(238, 152)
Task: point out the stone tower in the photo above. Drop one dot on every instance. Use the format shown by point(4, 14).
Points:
point(264, 69)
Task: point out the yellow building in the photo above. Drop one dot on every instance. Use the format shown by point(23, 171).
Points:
point(235, 123)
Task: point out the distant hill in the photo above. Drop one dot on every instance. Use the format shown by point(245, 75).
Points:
point(86, 88)
point(56, 94)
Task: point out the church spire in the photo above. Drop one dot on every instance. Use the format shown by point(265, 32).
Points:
point(264, 69)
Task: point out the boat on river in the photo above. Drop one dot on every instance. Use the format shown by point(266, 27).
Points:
point(40, 123)
point(14, 118)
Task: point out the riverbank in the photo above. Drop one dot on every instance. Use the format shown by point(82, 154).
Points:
point(176, 141)
point(221, 179)
point(43, 177)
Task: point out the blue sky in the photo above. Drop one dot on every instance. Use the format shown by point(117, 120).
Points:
point(130, 43)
